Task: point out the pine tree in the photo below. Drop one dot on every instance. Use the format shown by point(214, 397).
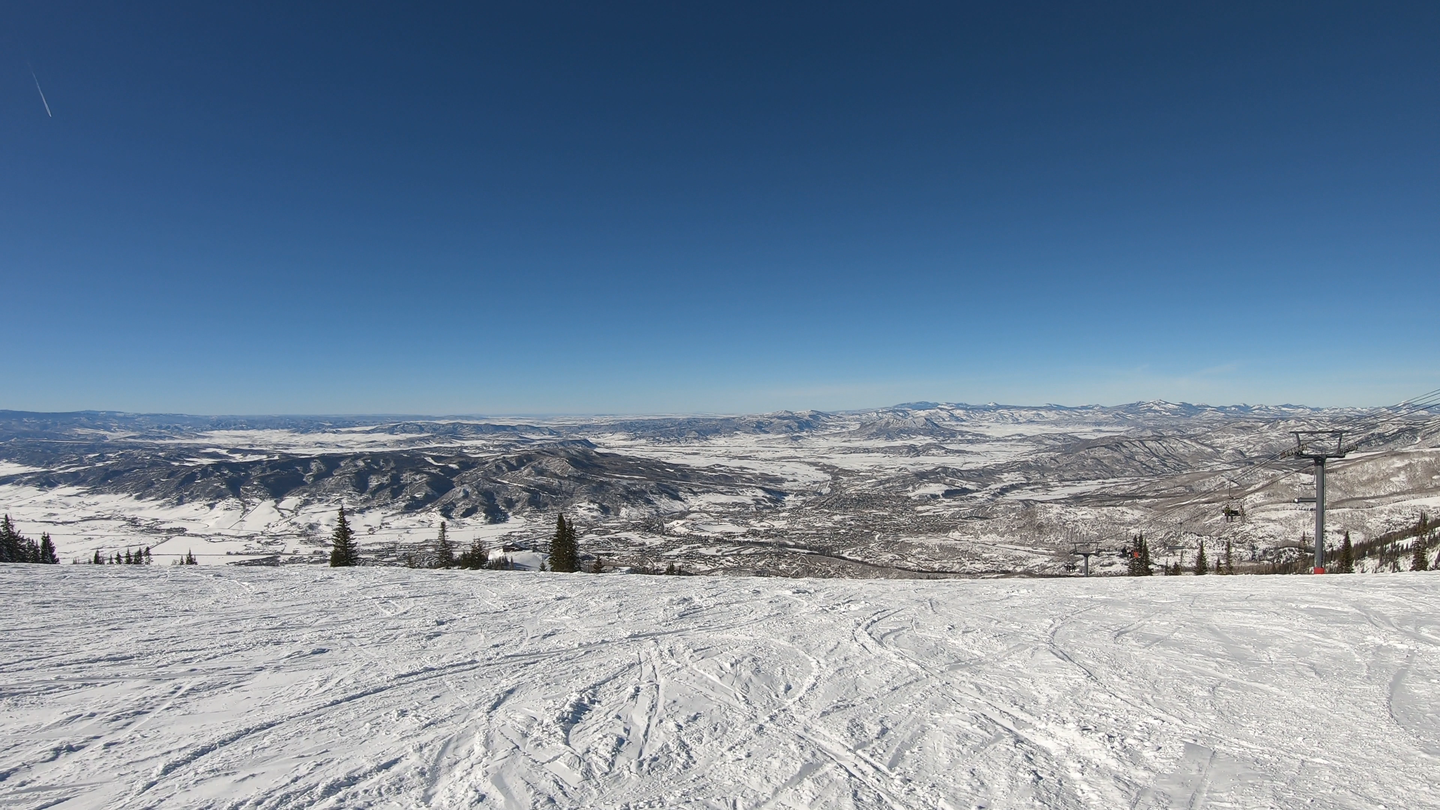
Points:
point(147, 555)
point(1229, 558)
point(190, 558)
point(343, 553)
point(1201, 567)
point(1139, 562)
point(47, 550)
point(473, 558)
point(1347, 555)
point(444, 552)
point(128, 561)
point(97, 560)
point(11, 549)
point(1420, 560)
point(598, 567)
point(564, 549)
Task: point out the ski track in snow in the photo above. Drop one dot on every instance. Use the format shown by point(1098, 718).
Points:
point(383, 687)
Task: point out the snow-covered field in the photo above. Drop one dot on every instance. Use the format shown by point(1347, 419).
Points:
point(132, 687)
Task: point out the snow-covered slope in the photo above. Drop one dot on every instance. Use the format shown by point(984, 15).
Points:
point(384, 687)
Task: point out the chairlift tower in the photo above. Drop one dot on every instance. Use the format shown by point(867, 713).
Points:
point(1320, 446)
point(1086, 550)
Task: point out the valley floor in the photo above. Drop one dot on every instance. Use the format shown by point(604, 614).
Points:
point(126, 687)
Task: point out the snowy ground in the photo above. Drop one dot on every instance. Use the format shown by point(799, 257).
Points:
point(383, 687)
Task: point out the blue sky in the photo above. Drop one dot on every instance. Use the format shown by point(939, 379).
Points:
point(588, 208)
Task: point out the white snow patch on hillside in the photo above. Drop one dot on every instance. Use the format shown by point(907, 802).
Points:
point(307, 687)
point(82, 522)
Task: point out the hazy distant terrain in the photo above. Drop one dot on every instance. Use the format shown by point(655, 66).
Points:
point(915, 490)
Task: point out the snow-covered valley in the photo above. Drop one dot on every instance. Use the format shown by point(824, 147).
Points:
point(126, 687)
point(923, 489)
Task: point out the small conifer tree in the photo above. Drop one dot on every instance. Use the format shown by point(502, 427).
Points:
point(342, 552)
point(96, 559)
point(1229, 558)
point(475, 557)
point(11, 547)
point(1420, 558)
point(47, 550)
point(1139, 564)
point(444, 552)
point(1347, 555)
point(597, 567)
point(1201, 567)
point(564, 549)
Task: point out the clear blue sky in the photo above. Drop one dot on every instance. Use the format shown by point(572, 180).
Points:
point(542, 207)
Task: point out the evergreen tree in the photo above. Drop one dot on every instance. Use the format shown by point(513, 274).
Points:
point(564, 548)
point(147, 555)
point(343, 553)
point(1146, 569)
point(1229, 559)
point(1138, 558)
point(444, 552)
point(598, 567)
point(11, 549)
point(475, 557)
point(128, 561)
point(97, 560)
point(1201, 567)
point(1347, 555)
point(47, 550)
point(1420, 560)
point(190, 558)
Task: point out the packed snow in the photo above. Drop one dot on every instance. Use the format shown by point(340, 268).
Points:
point(162, 686)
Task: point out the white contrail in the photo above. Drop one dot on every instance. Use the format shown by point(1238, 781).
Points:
point(42, 94)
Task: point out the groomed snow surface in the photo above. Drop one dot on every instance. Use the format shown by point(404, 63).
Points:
point(125, 687)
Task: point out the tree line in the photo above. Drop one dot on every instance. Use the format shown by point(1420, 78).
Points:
point(1139, 564)
point(140, 557)
point(564, 551)
point(1387, 551)
point(17, 548)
